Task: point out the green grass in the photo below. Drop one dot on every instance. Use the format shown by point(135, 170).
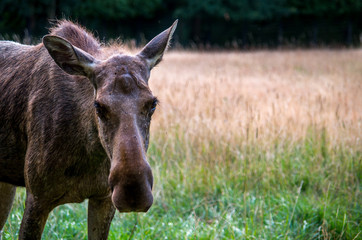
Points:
point(219, 189)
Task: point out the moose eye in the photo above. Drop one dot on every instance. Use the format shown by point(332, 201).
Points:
point(153, 105)
point(100, 110)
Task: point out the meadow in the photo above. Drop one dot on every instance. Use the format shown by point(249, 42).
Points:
point(245, 145)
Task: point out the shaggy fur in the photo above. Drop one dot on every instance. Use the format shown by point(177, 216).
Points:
point(74, 125)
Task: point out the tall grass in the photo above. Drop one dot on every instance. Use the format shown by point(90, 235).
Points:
point(259, 145)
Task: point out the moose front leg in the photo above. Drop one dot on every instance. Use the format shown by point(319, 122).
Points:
point(100, 215)
point(7, 193)
point(34, 219)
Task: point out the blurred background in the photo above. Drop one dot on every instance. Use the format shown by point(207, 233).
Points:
point(215, 24)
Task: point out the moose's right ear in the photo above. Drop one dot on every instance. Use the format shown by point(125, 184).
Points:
point(71, 59)
point(155, 49)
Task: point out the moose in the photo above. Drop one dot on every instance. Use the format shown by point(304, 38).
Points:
point(74, 125)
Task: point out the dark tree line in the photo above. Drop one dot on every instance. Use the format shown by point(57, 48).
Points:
point(207, 23)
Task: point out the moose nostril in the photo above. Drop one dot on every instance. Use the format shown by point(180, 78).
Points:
point(111, 186)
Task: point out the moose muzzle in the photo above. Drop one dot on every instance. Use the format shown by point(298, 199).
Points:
point(132, 193)
point(131, 177)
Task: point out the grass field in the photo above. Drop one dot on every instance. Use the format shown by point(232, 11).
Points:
point(253, 145)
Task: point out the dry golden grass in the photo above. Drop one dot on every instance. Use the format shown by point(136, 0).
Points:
point(260, 96)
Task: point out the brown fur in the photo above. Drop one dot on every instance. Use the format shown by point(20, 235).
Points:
point(74, 125)
point(77, 36)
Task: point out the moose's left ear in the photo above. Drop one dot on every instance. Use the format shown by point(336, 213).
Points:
point(154, 50)
point(71, 59)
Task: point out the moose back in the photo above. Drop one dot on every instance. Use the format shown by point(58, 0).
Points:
point(74, 125)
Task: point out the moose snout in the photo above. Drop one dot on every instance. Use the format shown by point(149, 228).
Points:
point(132, 188)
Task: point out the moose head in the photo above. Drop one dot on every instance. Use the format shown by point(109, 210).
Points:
point(123, 106)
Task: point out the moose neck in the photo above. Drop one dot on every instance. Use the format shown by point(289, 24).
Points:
point(88, 118)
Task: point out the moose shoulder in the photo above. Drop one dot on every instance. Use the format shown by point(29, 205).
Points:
point(74, 125)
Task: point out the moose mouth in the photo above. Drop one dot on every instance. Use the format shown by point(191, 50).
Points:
point(132, 198)
point(132, 188)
